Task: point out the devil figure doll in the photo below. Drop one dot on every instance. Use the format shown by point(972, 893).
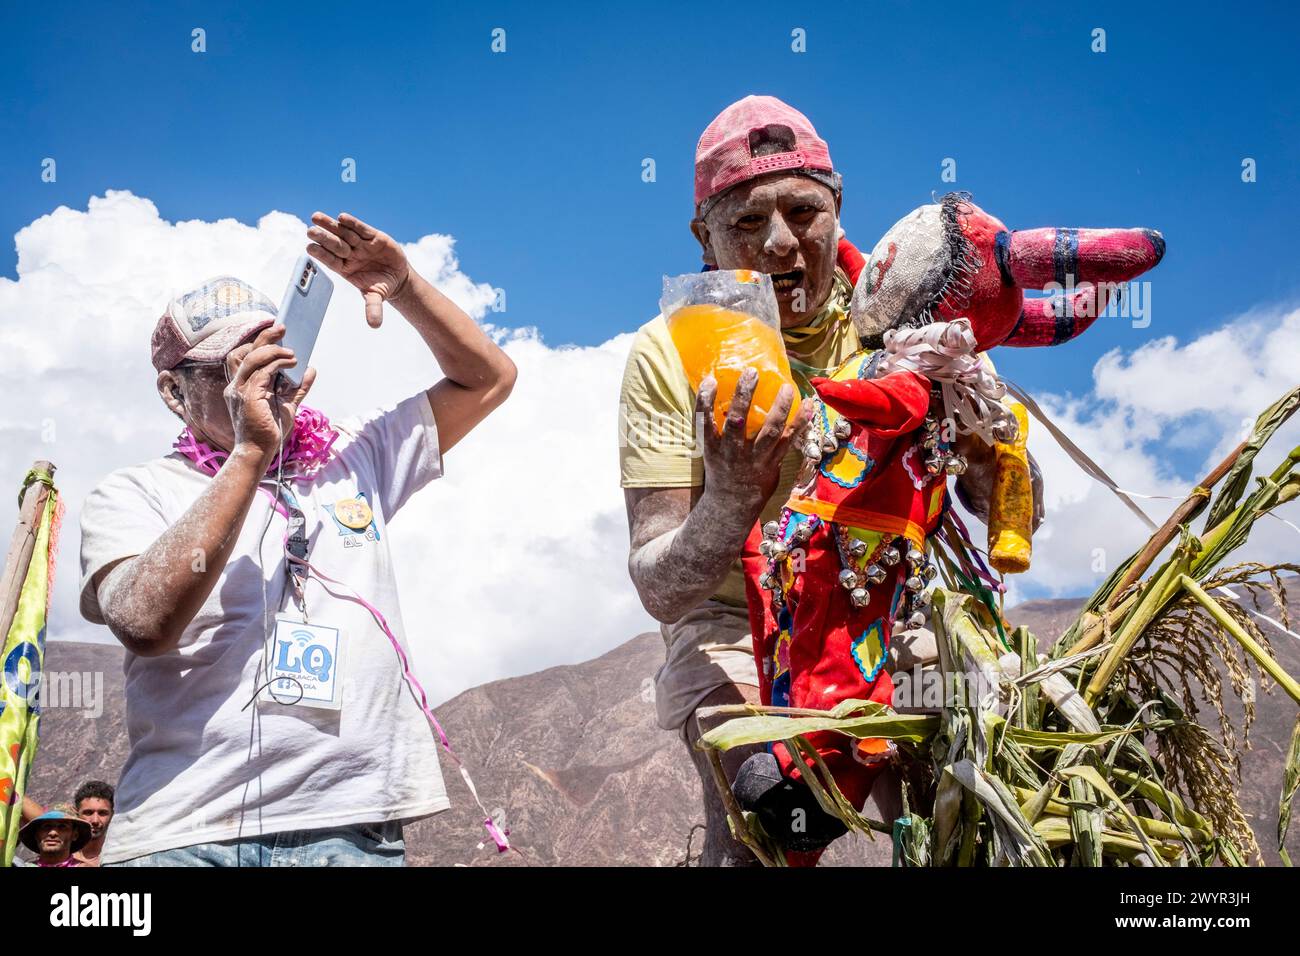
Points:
point(849, 553)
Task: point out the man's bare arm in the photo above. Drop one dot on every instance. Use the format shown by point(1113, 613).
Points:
point(684, 540)
point(147, 601)
point(31, 809)
point(477, 375)
point(679, 553)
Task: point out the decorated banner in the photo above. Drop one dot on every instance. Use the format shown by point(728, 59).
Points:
point(27, 578)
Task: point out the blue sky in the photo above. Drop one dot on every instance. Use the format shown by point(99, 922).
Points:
point(532, 158)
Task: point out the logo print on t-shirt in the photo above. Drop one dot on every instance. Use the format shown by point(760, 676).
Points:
point(353, 516)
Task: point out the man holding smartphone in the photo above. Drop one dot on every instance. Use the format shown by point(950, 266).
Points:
point(249, 578)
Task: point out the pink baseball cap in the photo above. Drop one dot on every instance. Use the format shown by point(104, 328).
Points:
point(753, 137)
point(204, 324)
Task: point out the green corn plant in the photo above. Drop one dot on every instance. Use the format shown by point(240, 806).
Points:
point(1087, 756)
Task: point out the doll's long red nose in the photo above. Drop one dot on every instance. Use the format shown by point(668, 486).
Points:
point(1036, 257)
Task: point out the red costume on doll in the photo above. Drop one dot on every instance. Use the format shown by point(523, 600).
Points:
point(845, 551)
point(827, 580)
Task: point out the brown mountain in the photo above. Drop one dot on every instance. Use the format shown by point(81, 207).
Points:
point(571, 761)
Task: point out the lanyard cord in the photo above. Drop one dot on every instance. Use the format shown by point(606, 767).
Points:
point(413, 683)
point(208, 462)
point(299, 569)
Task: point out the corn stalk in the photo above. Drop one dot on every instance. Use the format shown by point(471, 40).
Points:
point(1085, 757)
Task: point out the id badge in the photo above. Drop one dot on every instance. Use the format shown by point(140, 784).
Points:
point(306, 665)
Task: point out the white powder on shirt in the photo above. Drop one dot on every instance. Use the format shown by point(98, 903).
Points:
point(203, 769)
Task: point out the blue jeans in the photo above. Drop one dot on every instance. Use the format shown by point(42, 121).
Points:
point(362, 844)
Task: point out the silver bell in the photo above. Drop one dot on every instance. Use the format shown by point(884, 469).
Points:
point(778, 551)
point(890, 556)
point(932, 424)
point(934, 465)
point(813, 450)
point(915, 583)
point(857, 548)
point(929, 442)
point(830, 444)
point(914, 554)
point(843, 428)
point(765, 548)
point(929, 572)
point(848, 579)
point(921, 600)
point(917, 619)
point(860, 597)
point(875, 573)
point(802, 532)
point(767, 581)
point(771, 529)
point(956, 465)
point(1006, 430)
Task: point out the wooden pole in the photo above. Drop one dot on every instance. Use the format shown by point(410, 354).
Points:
point(21, 546)
point(1114, 607)
point(1200, 494)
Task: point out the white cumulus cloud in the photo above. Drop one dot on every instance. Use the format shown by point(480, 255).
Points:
point(1190, 402)
point(516, 559)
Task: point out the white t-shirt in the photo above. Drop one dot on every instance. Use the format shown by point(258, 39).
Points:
point(202, 768)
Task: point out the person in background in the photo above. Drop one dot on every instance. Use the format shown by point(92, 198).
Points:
point(94, 803)
point(55, 836)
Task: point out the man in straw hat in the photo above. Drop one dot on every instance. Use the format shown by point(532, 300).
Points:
point(55, 836)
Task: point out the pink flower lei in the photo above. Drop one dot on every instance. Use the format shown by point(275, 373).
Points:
point(307, 452)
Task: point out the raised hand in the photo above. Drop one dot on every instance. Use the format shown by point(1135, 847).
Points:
point(369, 259)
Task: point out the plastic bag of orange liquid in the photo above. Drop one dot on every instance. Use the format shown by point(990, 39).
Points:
point(722, 323)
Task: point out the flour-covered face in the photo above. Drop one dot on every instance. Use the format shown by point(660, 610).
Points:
point(196, 392)
point(784, 224)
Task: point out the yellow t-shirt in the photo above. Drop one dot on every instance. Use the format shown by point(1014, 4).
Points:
point(657, 447)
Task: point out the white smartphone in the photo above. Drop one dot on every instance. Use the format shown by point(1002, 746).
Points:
point(302, 310)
